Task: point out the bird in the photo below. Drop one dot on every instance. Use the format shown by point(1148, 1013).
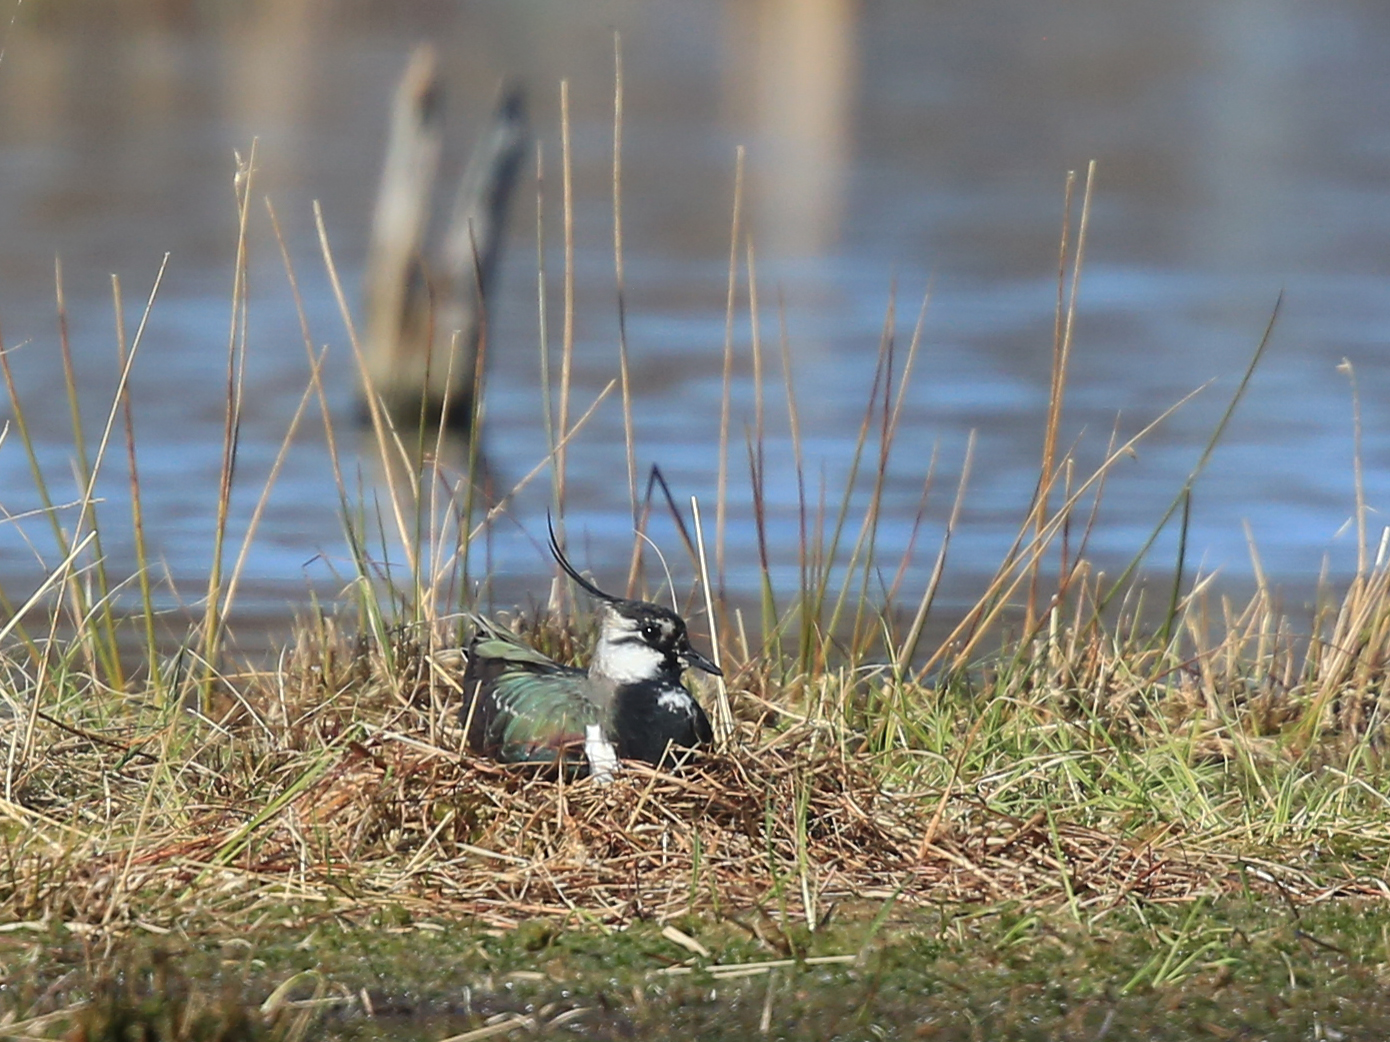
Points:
point(521, 706)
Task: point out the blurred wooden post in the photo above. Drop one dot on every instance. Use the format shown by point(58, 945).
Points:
point(473, 241)
point(424, 319)
point(396, 294)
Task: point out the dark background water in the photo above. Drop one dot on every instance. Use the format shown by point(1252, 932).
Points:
point(1243, 150)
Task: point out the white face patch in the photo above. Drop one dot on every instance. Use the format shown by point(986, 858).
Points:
point(621, 656)
point(626, 663)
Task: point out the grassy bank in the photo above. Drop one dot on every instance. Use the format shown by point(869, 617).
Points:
point(1226, 970)
point(1077, 813)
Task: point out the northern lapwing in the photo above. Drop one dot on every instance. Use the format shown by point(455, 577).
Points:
point(521, 706)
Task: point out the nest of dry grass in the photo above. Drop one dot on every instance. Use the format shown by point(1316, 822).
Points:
point(790, 825)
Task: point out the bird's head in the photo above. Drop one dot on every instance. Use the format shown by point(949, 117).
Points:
point(638, 640)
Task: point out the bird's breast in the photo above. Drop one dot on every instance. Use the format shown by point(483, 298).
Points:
point(676, 700)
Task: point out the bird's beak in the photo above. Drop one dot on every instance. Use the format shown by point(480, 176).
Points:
point(694, 658)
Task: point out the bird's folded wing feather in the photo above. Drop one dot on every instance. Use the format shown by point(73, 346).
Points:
point(539, 715)
point(492, 640)
point(527, 708)
point(510, 651)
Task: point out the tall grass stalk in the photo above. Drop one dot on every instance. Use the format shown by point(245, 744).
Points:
point(828, 553)
point(258, 511)
point(315, 375)
point(906, 652)
point(726, 393)
point(864, 553)
point(231, 433)
point(104, 634)
point(629, 435)
point(542, 309)
point(773, 636)
point(1358, 478)
point(1063, 338)
point(755, 440)
point(383, 437)
point(47, 506)
point(1122, 583)
point(137, 514)
point(567, 338)
point(724, 715)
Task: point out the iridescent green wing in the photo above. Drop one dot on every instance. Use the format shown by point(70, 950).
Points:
point(540, 716)
point(520, 705)
point(508, 648)
point(491, 640)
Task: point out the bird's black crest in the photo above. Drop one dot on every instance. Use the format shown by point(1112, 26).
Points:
point(570, 570)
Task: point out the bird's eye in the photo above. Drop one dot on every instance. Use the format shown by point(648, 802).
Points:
point(650, 632)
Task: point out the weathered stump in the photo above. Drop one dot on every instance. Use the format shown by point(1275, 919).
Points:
point(426, 306)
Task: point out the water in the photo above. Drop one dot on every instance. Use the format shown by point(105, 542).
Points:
point(1241, 151)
